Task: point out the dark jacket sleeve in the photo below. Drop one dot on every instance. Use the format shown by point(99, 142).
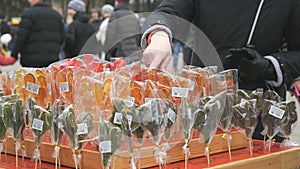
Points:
point(291, 58)
point(165, 12)
point(22, 34)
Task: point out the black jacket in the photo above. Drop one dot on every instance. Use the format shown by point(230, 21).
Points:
point(227, 25)
point(79, 31)
point(122, 34)
point(40, 36)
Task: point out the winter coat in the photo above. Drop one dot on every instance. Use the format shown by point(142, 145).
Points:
point(122, 35)
point(40, 36)
point(78, 32)
point(227, 24)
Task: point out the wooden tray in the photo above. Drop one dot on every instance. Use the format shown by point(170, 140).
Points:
point(91, 158)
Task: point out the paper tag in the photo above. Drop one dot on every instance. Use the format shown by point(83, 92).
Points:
point(118, 118)
point(34, 88)
point(180, 92)
point(106, 69)
point(276, 112)
point(130, 101)
point(171, 115)
point(129, 118)
point(243, 102)
point(105, 147)
point(37, 124)
point(82, 128)
point(191, 85)
point(64, 87)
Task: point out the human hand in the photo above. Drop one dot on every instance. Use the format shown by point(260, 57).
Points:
point(7, 60)
point(295, 88)
point(158, 54)
point(252, 65)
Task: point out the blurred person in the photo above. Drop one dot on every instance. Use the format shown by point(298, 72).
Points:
point(101, 34)
point(247, 35)
point(96, 18)
point(79, 30)
point(117, 42)
point(39, 37)
point(177, 47)
point(14, 27)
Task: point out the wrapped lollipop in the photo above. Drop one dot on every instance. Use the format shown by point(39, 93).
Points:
point(225, 121)
point(3, 129)
point(18, 126)
point(213, 109)
point(289, 118)
point(187, 120)
point(153, 122)
point(245, 118)
point(109, 141)
point(127, 120)
point(41, 122)
point(56, 132)
point(75, 131)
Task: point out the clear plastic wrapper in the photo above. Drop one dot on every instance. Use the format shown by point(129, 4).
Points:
point(289, 119)
point(225, 121)
point(245, 114)
point(3, 128)
point(187, 120)
point(109, 141)
point(278, 117)
point(213, 111)
point(41, 121)
point(56, 132)
point(7, 86)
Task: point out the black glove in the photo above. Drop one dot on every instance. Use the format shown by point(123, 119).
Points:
point(252, 66)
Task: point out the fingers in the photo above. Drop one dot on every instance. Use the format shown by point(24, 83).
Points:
point(166, 62)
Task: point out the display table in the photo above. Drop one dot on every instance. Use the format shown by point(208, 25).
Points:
point(278, 158)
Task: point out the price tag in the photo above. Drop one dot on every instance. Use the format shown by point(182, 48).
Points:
point(82, 128)
point(34, 88)
point(37, 124)
point(243, 102)
point(180, 92)
point(106, 69)
point(118, 118)
point(129, 118)
point(105, 147)
point(171, 115)
point(130, 101)
point(64, 87)
point(191, 85)
point(276, 112)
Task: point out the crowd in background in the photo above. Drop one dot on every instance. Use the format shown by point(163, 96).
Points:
point(42, 36)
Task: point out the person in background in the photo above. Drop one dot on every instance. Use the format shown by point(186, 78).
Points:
point(177, 47)
point(101, 34)
point(39, 37)
point(14, 27)
point(259, 58)
point(121, 36)
point(96, 18)
point(79, 29)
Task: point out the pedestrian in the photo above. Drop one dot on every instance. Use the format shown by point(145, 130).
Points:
point(101, 34)
point(39, 37)
point(79, 29)
point(96, 18)
point(247, 35)
point(121, 36)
